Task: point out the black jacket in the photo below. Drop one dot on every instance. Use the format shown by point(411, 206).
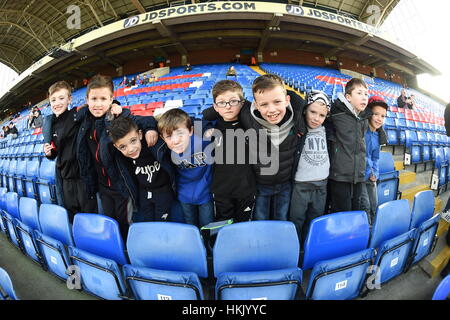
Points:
point(119, 173)
point(235, 180)
point(447, 119)
point(89, 123)
point(286, 155)
point(346, 133)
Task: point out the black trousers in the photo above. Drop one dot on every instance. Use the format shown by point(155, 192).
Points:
point(155, 206)
point(115, 206)
point(345, 196)
point(239, 209)
point(76, 199)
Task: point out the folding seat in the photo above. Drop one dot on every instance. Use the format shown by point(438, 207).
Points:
point(3, 227)
point(38, 150)
point(413, 148)
point(339, 270)
point(21, 172)
point(193, 111)
point(439, 173)
point(29, 215)
point(4, 169)
point(257, 260)
point(443, 290)
point(388, 180)
point(7, 291)
point(98, 252)
point(29, 150)
point(164, 266)
point(11, 175)
point(46, 182)
point(392, 239)
point(11, 214)
point(426, 224)
point(32, 176)
point(54, 237)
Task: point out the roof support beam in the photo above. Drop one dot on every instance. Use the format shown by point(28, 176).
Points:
point(137, 4)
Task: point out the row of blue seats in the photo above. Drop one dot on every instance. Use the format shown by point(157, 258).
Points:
point(402, 124)
point(24, 151)
point(31, 178)
point(251, 260)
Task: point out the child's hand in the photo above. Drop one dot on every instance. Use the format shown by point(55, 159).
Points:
point(48, 149)
point(116, 109)
point(151, 137)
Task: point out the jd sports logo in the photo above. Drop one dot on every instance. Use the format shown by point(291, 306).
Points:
point(131, 22)
point(298, 11)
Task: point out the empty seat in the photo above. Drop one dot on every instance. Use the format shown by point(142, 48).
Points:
point(392, 238)
point(29, 215)
point(336, 249)
point(167, 261)
point(11, 215)
point(98, 252)
point(388, 181)
point(46, 182)
point(6, 287)
point(257, 260)
point(443, 290)
point(54, 237)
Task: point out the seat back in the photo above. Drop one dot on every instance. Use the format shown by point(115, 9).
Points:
point(99, 235)
point(167, 246)
point(391, 220)
point(423, 208)
point(443, 290)
point(12, 204)
point(335, 235)
point(54, 222)
point(29, 212)
point(6, 287)
point(256, 246)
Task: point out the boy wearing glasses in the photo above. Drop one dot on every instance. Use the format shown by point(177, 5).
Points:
point(233, 185)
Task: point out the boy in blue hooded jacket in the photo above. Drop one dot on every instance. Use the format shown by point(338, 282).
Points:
point(193, 164)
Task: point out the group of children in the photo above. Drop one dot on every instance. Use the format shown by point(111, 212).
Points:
point(280, 157)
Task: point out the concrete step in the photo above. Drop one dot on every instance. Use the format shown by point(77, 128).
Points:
point(399, 165)
point(438, 259)
point(407, 177)
point(411, 192)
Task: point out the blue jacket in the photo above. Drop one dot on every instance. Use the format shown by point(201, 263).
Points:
point(194, 172)
point(119, 174)
point(372, 153)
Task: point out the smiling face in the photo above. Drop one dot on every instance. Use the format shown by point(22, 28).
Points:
point(130, 145)
point(358, 98)
point(376, 121)
point(315, 114)
point(272, 104)
point(179, 139)
point(99, 101)
point(233, 104)
point(60, 101)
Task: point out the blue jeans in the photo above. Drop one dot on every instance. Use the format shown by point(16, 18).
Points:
point(272, 202)
point(198, 215)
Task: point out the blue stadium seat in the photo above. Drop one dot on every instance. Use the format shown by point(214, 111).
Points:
point(21, 172)
point(339, 270)
point(7, 291)
point(32, 177)
point(54, 237)
point(388, 181)
point(393, 238)
point(11, 175)
point(29, 215)
point(443, 290)
point(423, 208)
point(3, 228)
point(11, 215)
point(164, 266)
point(257, 260)
point(46, 182)
point(98, 252)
